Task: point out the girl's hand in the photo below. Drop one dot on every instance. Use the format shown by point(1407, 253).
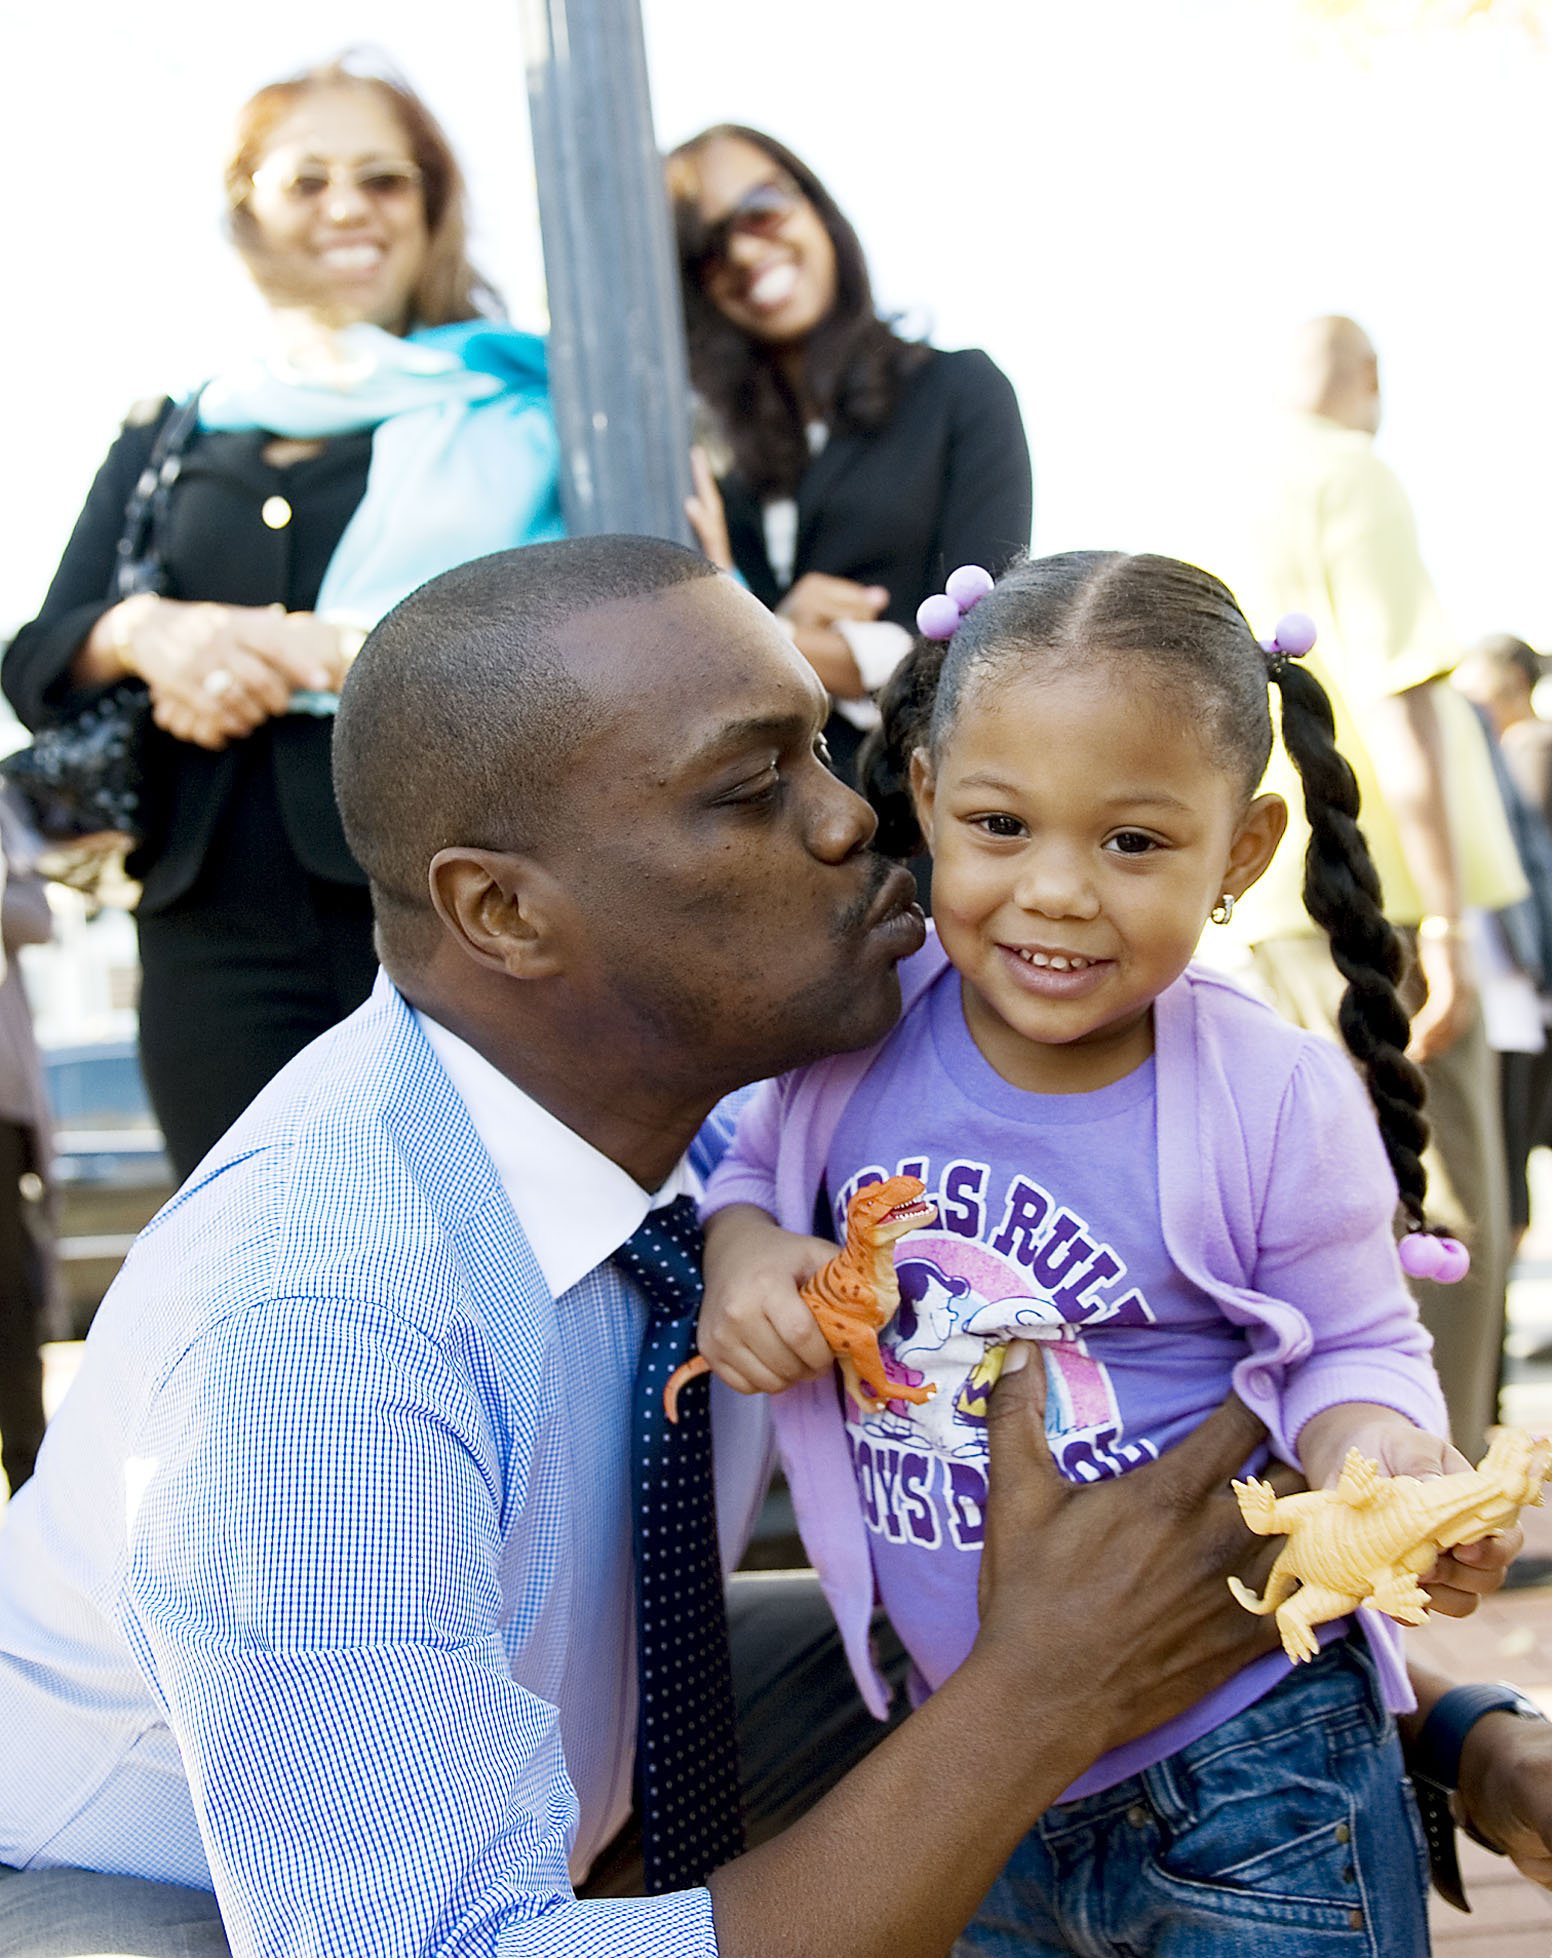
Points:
point(1399, 1447)
point(1462, 1577)
point(707, 517)
point(755, 1332)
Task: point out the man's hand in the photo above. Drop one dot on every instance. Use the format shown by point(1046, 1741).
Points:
point(1506, 1790)
point(1116, 1591)
point(1104, 1612)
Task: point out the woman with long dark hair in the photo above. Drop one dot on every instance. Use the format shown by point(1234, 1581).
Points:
point(856, 467)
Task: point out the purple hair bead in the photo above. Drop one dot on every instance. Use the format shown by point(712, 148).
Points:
point(1295, 634)
point(937, 617)
point(1444, 1260)
point(968, 586)
point(1420, 1255)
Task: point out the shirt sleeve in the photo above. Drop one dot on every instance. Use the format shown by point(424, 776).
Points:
point(1390, 627)
point(747, 1172)
point(34, 674)
point(1326, 1247)
point(318, 1517)
point(718, 1130)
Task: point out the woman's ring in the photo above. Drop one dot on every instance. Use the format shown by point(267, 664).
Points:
point(218, 682)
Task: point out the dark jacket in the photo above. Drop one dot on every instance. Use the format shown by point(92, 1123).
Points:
point(217, 546)
point(944, 482)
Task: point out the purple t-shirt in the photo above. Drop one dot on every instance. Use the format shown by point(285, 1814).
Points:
point(1048, 1228)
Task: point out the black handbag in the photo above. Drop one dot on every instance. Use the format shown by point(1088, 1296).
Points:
point(82, 776)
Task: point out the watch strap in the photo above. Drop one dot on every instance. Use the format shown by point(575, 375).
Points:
point(1435, 1752)
point(1433, 1758)
point(1433, 1808)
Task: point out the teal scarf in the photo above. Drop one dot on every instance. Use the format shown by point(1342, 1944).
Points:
point(465, 459)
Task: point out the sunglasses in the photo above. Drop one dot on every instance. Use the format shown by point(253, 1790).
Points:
point(307, 182)
point(759, 213)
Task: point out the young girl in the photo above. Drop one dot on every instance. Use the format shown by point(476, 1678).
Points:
point(1175, 1191)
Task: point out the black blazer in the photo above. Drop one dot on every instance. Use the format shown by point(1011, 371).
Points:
point(216, 546)
point(944, 482)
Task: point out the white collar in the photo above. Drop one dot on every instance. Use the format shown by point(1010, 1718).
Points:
point(576, 1207)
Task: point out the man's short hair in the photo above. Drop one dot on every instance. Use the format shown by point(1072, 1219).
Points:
point(459, 716)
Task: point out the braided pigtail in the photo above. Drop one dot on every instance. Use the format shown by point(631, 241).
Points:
point(884, 762)
point(1342, 894)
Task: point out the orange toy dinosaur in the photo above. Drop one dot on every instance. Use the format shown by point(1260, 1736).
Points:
point(855, 1294)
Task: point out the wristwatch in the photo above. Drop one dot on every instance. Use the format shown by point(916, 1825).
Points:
point(1433, 1759)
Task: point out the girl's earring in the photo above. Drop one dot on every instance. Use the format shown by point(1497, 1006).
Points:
point(1223, 910)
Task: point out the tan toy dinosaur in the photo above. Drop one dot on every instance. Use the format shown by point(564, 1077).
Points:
point(856, 1294)
point(1368, 1540)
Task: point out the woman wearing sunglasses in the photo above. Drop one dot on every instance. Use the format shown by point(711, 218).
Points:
point(860, 467)
point(393, 429)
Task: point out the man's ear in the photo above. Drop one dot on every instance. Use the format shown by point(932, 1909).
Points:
point(923, 793)
point(505, 911)
point(1255, 843)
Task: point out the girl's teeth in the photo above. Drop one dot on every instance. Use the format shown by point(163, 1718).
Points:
point(1056, 961)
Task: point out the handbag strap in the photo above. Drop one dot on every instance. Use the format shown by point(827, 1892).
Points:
point(138, 565)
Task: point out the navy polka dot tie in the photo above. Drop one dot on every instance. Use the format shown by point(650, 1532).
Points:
point(686, 1737)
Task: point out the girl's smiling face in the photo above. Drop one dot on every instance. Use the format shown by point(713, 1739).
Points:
point(1081, 831)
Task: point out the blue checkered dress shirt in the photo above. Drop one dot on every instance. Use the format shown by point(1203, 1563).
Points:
point(322, 1594)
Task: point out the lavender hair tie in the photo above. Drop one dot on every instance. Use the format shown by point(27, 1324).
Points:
point(938, 617)
point(1426, 1255)
point(1294, 637)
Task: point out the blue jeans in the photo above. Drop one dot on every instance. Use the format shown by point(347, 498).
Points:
point(1288, 1832)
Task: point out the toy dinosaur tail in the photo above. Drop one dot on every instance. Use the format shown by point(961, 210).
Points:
point(1262, 1607)
point(680, 1377)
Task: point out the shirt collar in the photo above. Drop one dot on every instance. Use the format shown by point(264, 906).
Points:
point(576, 1207)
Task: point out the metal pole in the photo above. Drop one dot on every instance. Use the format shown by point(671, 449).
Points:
point(617, 360)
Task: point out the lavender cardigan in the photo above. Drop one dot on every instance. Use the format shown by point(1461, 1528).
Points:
point(1276, 1200)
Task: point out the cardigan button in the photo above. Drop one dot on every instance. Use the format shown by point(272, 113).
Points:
point(276, 512)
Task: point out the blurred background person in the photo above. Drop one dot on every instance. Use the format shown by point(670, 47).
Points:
point(860, 467)
point(1335, 537)
point(1500, 674)
point(27, 1270)
point(394, 429)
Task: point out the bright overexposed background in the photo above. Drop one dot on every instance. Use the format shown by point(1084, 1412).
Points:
point(1129, 204)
